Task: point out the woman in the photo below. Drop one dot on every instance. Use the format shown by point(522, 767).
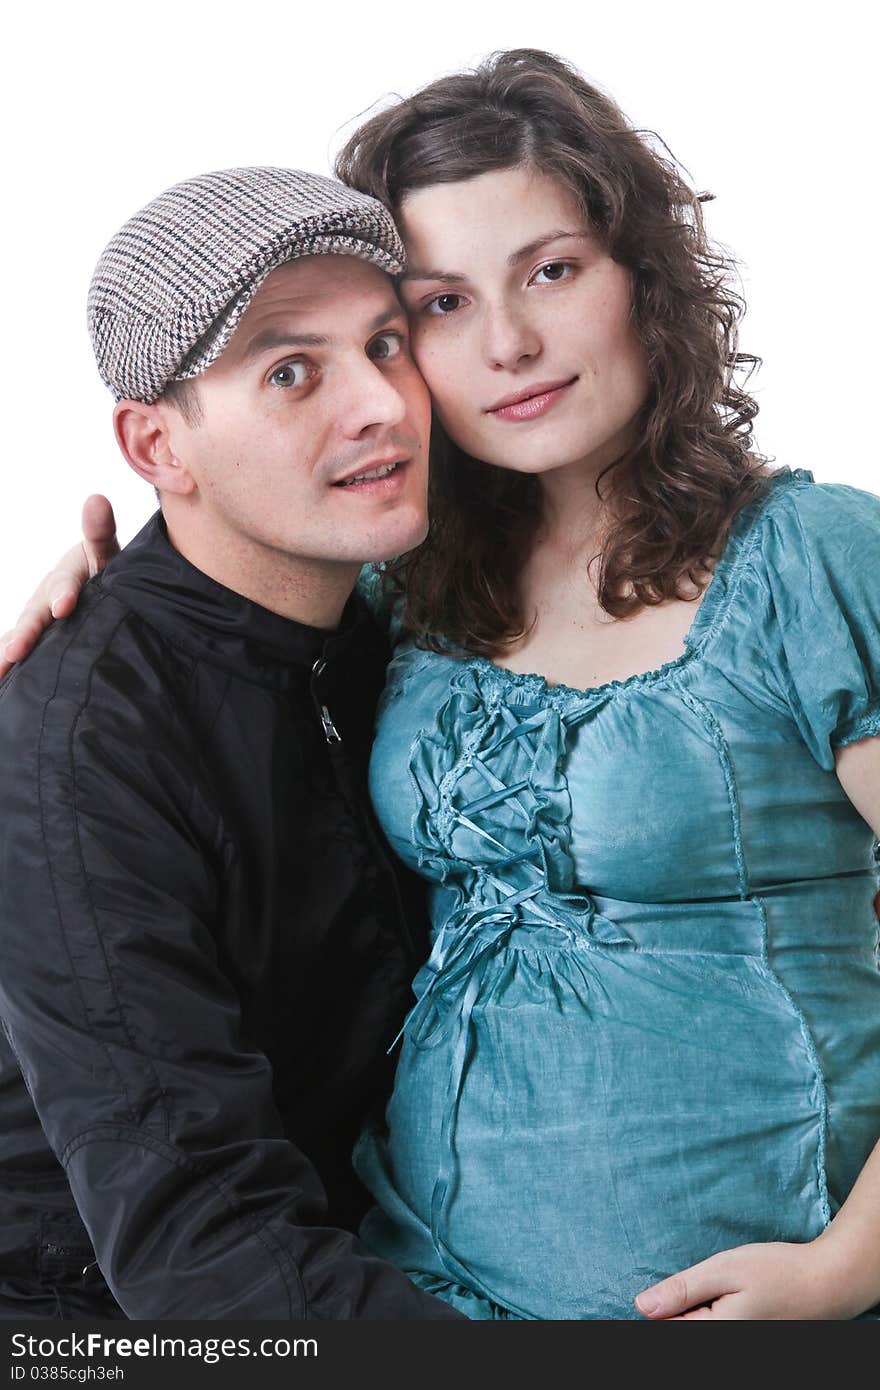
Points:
point(627, 736)
point(649, 1027)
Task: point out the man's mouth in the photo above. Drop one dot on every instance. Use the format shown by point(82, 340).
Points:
point(370, 476)
point(375, 476)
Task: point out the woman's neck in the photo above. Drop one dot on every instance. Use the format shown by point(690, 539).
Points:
point(574, 518)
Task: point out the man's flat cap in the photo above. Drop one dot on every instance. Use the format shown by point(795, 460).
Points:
point(171, 286)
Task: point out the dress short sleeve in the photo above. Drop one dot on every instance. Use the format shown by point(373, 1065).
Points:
point(820, 549)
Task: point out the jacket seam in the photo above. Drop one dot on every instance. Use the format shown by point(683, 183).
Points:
point(138, 1138)
point(87, 887)
point(49, 855)
point(202, 737)
point(105, 1048)
point(99, 940)
point(207, 734)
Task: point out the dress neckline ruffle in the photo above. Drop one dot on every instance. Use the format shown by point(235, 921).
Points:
point(708, 619)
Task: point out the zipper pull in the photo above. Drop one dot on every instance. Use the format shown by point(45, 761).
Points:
point(331, 733)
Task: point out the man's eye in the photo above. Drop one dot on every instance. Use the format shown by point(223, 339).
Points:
point(387, 345)
point(289, 374)
point(554, 270)
point(443, 304)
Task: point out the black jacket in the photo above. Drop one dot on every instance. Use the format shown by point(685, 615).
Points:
point(204, 953)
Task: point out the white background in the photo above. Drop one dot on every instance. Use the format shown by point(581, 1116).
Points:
point(770, 105)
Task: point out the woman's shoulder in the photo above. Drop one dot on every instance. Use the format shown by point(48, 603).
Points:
point(823, 513)
point(369, 586)
point(810, 594)
point(799, 527)
point(819, 540)
point(799, 546)
point(384, 604)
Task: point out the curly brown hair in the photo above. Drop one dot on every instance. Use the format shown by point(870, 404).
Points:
point(674, 493)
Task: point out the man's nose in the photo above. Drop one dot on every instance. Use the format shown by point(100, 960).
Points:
point(370, 399)
point(509, 338)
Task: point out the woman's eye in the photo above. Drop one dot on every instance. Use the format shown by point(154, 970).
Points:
point(553, 271)
point(289, 374)
point(386, 346)
point(443, 304)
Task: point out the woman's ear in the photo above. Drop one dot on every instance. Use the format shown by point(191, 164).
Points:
point(143, 435)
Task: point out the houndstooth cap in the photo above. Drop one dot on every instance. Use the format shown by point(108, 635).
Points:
point(171, 286)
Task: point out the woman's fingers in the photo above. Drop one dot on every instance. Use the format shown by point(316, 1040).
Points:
point(99, 534)
point(55, 597)
point(35, 617)
point(58, 594)
point(14, 646)
point(686, 1291)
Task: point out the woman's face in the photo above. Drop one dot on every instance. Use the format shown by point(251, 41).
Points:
point(521, 323)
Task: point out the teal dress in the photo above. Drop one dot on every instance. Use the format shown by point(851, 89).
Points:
point(649, 1027)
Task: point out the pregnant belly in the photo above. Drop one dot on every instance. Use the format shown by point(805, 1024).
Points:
point(568, 1126)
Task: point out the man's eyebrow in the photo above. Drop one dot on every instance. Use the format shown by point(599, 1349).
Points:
point(450, 277)
point(272, 338)
point(279, 338)
point(395, 310)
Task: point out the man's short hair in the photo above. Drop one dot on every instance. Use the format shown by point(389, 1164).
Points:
point(184, 396)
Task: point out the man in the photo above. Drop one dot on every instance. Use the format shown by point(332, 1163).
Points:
point(204, 950)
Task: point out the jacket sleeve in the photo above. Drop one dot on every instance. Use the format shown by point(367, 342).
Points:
point(128, 1034)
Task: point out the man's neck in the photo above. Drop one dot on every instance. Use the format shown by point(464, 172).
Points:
point(313, 592)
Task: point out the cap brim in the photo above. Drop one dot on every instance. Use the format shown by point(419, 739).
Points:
point(214, 342)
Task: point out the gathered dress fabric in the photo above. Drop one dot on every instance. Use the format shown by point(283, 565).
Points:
point(649, 1026)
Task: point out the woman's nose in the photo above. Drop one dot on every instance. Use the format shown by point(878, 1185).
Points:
point(509, 339)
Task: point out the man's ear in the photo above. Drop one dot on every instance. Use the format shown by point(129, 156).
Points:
point(143, 434)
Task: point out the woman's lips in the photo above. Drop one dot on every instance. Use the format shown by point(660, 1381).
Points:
point(539, 399)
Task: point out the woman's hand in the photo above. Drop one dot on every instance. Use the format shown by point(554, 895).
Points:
point(755, 1282)
point(56, 596)
point(837, 1275)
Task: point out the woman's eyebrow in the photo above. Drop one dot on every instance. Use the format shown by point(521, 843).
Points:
point(451, 277)
point(540, 242)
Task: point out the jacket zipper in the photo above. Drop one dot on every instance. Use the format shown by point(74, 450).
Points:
point(331, 733)
point(391, 876)
point(364, 814)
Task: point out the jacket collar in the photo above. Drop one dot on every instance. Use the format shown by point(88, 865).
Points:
point(218, 625)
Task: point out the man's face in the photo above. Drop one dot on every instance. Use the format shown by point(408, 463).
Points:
point(316, 388)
